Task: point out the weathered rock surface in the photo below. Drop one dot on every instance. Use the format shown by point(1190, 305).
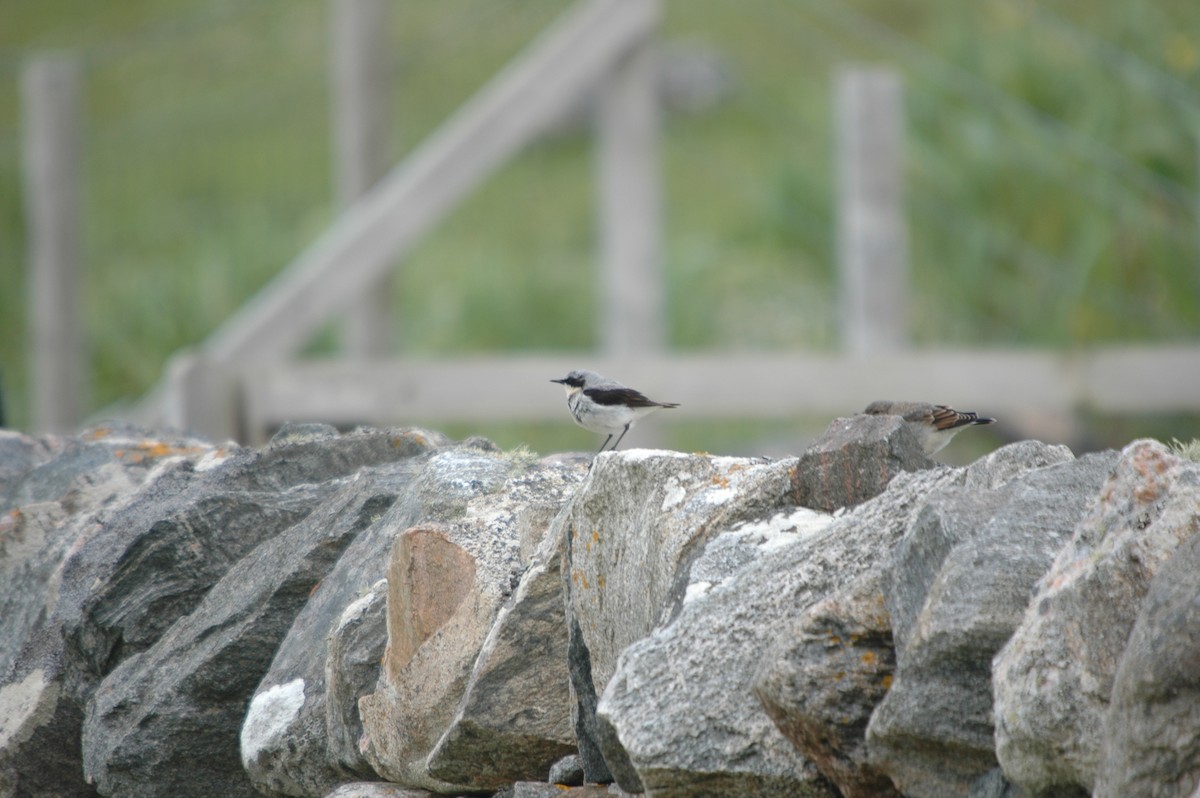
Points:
point(149, 524)
point(854, 460)
point(165, 722)
point(514, 719)
point(354, 649)
point(20, 456)
point(632, 532)
point(377, 789)
point(387, 605)
point(567, 771)
point(459, 522)
point(824, 679)
point(1054, 678)
point(704, 659)
point(60, 494)
point(822, 683)
point(957, 587)
point(433, 720)
point(1152, 727)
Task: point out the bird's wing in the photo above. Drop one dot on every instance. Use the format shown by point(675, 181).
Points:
point(944, 418)
point(620, 396)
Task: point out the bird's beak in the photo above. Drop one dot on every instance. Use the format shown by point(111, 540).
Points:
point(560, 382)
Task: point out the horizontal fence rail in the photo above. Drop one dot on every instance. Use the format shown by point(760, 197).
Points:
point(715, 386)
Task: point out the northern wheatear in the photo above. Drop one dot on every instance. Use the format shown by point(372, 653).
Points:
point(933, 425)
point(599, 404)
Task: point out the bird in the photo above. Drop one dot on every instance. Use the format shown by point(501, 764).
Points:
point(600, 404)
point(933, 425)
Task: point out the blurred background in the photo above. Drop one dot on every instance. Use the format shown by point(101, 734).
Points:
point(1050, 160)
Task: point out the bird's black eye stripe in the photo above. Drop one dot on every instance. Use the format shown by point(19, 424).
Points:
point(574, 382)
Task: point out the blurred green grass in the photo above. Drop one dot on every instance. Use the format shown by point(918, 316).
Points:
point(1052, 177)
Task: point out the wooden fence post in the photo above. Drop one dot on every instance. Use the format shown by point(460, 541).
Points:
point(201, 397)
point(633, 294)
point(633, 291)
point(872, 237)
point(361, 120)
point(51, 101)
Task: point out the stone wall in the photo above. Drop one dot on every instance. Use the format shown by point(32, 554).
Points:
point(391, 613)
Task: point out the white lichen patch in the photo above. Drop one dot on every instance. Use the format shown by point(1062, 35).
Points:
point(270, 715)
point(213, 458)
point(357, 608)
point(719, 495)
point(785, 529)
point(674, 494)
point(731, 552)
point(24, 705)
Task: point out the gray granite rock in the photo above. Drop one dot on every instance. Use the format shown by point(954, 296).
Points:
point(958, 586)
point(448, 585)
point(854, 460)
point(632, 532)
point(166, 720)
point(1053, 680)
point(1151, 740)
point(60, 494)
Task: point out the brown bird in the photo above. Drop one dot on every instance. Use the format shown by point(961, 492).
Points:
point(933, 425)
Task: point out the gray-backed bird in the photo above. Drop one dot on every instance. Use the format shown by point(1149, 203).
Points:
point(602, 405)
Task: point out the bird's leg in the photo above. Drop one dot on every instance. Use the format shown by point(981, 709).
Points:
point(606, 440)
point(618, 443)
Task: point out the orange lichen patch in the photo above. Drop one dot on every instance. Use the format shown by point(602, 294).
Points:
point(720, 480)
point(579, 578)
point(400, 440)
point(96, 434)
point(1150, 465)
point(886, 681)
point(1147, 493)
point(870, 659)
point(600, 581)
point(153, 450)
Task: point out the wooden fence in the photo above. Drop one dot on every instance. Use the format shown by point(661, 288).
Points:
point(52, 117)
point(243, 380)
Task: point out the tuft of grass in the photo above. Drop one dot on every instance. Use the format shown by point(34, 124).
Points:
point(1188, 451)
